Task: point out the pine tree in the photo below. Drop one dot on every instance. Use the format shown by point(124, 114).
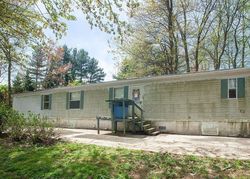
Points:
point(74, 64)
point(94, 73)
point(18, 84)
point(28, 83)
point(38, 66)
point(81, 64)
point(67, 58)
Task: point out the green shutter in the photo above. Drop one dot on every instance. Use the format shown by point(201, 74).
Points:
point(125, 92)
point(241, 87)
point(50, 100)
point(224, 88)
point(82, 100)
point(67, 100)
point(111, 95)
point(41, 102)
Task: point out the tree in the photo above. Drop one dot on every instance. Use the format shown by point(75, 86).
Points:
point(28, 83)
point(4, 94)
point(11, 50)
point(183, 36)
point(18, 86)
point(94, 73)
point(37, 66)
point(81, 64)
point(182, 18)
point(55, 70)
point(67, 59)
point(74, 64)
point(129, 68)
point(30, 19)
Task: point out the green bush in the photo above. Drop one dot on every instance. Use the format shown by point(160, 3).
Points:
point(4, 113)
point(39, 129)
point(32, 128)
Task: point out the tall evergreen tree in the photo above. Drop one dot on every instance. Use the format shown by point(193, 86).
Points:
point(17, 86)
point(38, 66)
point(28, 83)
point(74, 64)
point(67, 58)
point(81, 64)
point(94, 73)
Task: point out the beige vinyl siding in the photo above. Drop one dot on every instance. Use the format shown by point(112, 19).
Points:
point(193, 106)
point(193, 101)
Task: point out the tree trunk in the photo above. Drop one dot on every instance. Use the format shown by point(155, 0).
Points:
point(169, 4)
point(9, 80)
point(243, 43)
point(196, 57)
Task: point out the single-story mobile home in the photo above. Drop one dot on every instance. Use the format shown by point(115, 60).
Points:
point(202, 103)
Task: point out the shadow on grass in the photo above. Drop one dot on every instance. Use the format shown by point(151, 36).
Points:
point(54, 162)
point(69, 160)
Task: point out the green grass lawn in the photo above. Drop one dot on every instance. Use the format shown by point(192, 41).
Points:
point(68, 160)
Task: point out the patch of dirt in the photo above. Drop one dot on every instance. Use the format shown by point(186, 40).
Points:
point(238, 173)
point(140, 173)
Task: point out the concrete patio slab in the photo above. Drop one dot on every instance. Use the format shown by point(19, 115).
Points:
point(211, 146)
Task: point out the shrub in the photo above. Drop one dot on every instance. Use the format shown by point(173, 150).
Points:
point(32, 128)
point(4, 93)
point(39, 130)
point(16, 126)
point(4, 111)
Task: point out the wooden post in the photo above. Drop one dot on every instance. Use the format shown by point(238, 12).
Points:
point(124, 117)
point(141, 120)
point(98, 124)
point(112, 117)
point(133, 116)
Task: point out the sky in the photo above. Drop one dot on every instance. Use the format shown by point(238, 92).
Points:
point(95, 42)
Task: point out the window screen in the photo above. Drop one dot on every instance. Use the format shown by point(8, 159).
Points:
point(232, 88)
point(136, 94)
point(119, 93)
point(74, 101)
point(46, 102)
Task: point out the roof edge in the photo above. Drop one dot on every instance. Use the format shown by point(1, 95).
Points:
point(193, 76)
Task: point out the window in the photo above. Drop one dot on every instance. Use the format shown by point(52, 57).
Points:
point(46, 101)
point(136, 94)
point(119, 93)
point(232, 88)
point(74, 100)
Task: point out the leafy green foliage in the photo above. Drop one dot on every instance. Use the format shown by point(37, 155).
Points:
point(94, 73)
point(68, 160)
point(18, 84)
point(32, 129)
point(3, 93)
point(37, 66)
point(28, 82)
point(30, 19)
point(80, 66)
point(4, 113)
point(181, 36)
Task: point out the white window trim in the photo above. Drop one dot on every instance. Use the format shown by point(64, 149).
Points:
point(236, 81)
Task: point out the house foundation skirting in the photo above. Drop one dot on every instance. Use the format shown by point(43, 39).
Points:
point(236, 129)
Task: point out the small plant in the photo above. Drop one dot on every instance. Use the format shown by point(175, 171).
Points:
point(4, 110)
point(39, 129)
point(32, 128)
